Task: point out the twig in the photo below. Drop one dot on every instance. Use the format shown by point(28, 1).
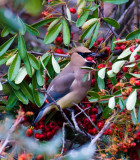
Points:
point(106, 126)
point(11, 130)
point(86, 116)
point(74, 121)
point(55, 54)
point(101, 100)
point(65, 117)
point(63, 138)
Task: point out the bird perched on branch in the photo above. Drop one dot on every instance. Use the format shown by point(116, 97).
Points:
point(68, 86)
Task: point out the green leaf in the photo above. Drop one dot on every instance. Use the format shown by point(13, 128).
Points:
point(12, 100)
point(107, 112)
point(5, 32)
point(33, 7)
point(22, 25)
point(111, 103)
point(10, 60)
point(131, 101)
point(135, 75)
point(111, 74)
point(32, 30)
point(8, 19)
point(83, 17)
point(14, 68)
point(2, 59)
point(112, 43)
point(27, 91)
point(1, 87)
point(94, 37)
point(68, 14)
point(117, 66)
point(87, 33)
point(125, 53)
point(53, 33)
point(21, 96)
point(33, 61)
point(21, 47)
point(122, 106)
point(21, 75)
point(28, 66)
point(38, 96)
point(101, 83)
point(138, 64)
point(66, 33)
point(39, 76)
point(45, 58)
point(94, 94)
point(101, 73)
point(134, 116)
point(13, 85)
point(55, 65)
point(133, 35)
point(4, 47)
point(139, 115)
point(84, 77)
point(115, 1)
point(112, 22)
point(43, 22)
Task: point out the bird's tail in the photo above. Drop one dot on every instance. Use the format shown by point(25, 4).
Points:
point(41, 113)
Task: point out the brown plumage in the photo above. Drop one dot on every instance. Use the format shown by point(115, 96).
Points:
point(68, 87)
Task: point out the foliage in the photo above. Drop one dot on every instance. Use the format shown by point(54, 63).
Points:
point(116, 79)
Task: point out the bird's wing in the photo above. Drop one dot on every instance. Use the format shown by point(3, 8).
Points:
point(59, 87)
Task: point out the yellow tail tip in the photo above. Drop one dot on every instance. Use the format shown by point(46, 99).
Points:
point(32, 127)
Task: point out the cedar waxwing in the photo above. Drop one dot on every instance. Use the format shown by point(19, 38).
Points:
point(68, 86)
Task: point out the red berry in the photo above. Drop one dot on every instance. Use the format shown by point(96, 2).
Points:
point(41, 126)
point(37, 135)
point(122, 47)
point(137, 57)
point(22, 157)
point(40, 157)
point(72, 10)
point(125, 69)
point(137, 83)
point(29, 132)
point(101, 66)
point(100, 40)
point(100, 124)
point(93, 82)
point(60, 51)
point(95, 44)
point(89, 58)
point(132, 80)
point(72, 35)
point(49, 135)
point(93, 116)
point(117, 48)
point(133, 144)
point(59, 39)
point(86, 121)
point(47, 129)
point(132, 48)
point(94, 131)
point(52, 125)
point(94, 110)
point(88, 105)
point(78, 16)
point(42, 136)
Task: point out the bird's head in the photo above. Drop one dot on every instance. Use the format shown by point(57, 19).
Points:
point(79, 55)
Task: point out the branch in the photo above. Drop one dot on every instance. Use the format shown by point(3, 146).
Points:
point(87, 116)
point(55, 54)
point(74, 121)
point(106, 126)
point(11, 130)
